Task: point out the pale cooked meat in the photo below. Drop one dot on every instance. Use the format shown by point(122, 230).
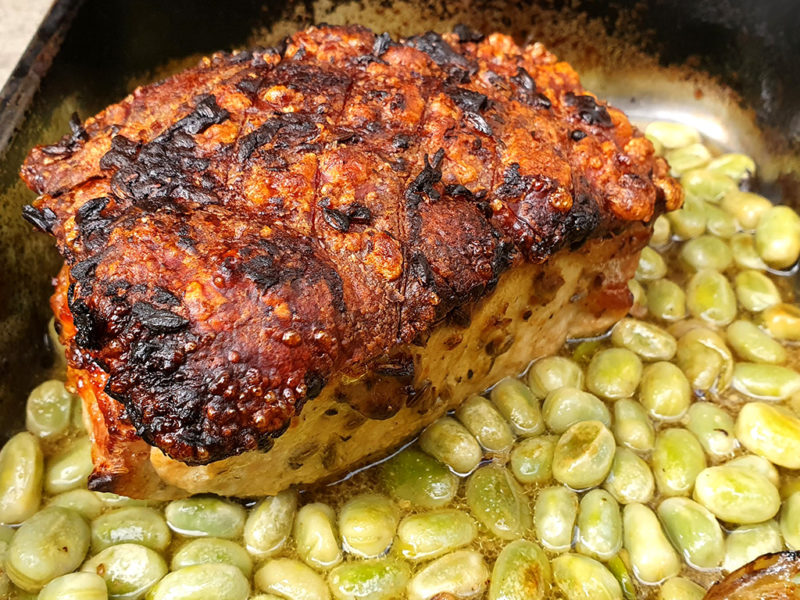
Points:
point(362, 229)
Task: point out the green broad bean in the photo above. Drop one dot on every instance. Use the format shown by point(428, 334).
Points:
point(462, 574)
point(614, 373)
point(75, 586)
point(677, 460)
point(292, 580)
point(206, 515)
point(770, 431)
point(567, 405)
point(269, 524)
point(737, 496)
point(449, 441)
point(579, 577)
point(69, 470)
point(21, 471)
point(116, 501)
point(134, 524)
point(521, 572)
point(201, 582)
point(315, 536)
point(680, 588)
point(639, 299)
point(714, 429)
point(705, 359)
point(620, 571)
point(81, 501)
point(710, 297)
point(662, 232)
point(734, 165)
point(51, 543)
point(745, 207)
point(651, 265)
point(693, 531)
point(666, 300)
point(720, 223)
point(427, 535)
point(751, 343)
point(689, 221)
point(651, 554)
point(516, 403)
point(743, 247)
point(758, 464)
point(649, 341)
point(630, 479)
point(419, 479)
point(129, 570)
point(707, 252)
point(47, 411)
point(532, 459)
point(778, 236)
point(687, 158)
point(755, 291)
point(584, 455)
point(632, 428)
point(748, 542)
point(204, 551)
point(554, 514)
point(707, 185)
point(782, 322)
point(552, 372)
point(765, 382)
point(671, 135)
point(599, 531)
point(790, 521)
point(367, 524)
point(497, 501)
point(369, 580)
point(485, 422)
point(665, 392)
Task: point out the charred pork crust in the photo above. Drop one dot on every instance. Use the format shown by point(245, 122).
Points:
point(241, 233)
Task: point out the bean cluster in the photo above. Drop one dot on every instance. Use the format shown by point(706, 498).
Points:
point(645, 463)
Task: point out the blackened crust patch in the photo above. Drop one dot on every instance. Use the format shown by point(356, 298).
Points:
point(157, 320)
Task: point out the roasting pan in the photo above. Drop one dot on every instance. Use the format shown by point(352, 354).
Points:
point(729, 67)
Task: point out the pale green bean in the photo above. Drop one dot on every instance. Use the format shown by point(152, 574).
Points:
point(485, 422)
point(745, 207)
point(497, 501)
point(651, 265)
point(129, 570)
point(778, 237)
point(415, 477)
point(315, 535)
point(292, 580)
point(203, 551)
point(677, 460)
point(737, 496)
point(651, 554)
point(462, 574)
point(707, 185)
point(714, 429)
point(532, 459)
point(707, 252)
point(202, 582)
point(269, 524)
point(687, 158)
point(734, 165)
point(75, 586)
point(367, 524)
point(521, 572)
point(748, 542)
point(632, 428)
point(47, 411)
point(666, 300)
point(680, 588)
point(743, 247)
point(630, 479)
point(664, 391)
point(790, 521)
point(135, 524)
point(449, 441)
point(705, 359)
point(599, 527)
point(519, 407)
point(550, 373)
point(82, 501)
point(614, 373)
point(782, 322)
point(765, 382)
point(672, 135)
point(51, 543)
point(21, 471)
point(755, 291)
point(751, 343)
point(567, 405)
point(770, 431)
point(582, 578)
point(206, 515)
point(693, 531)
point(428, 535)
point(584, 455)
point(69, 470)
point(369, 580)
point(554, 514)
point(710, 297)
point(649, 341)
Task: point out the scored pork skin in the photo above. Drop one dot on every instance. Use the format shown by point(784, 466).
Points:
point(273, 225)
